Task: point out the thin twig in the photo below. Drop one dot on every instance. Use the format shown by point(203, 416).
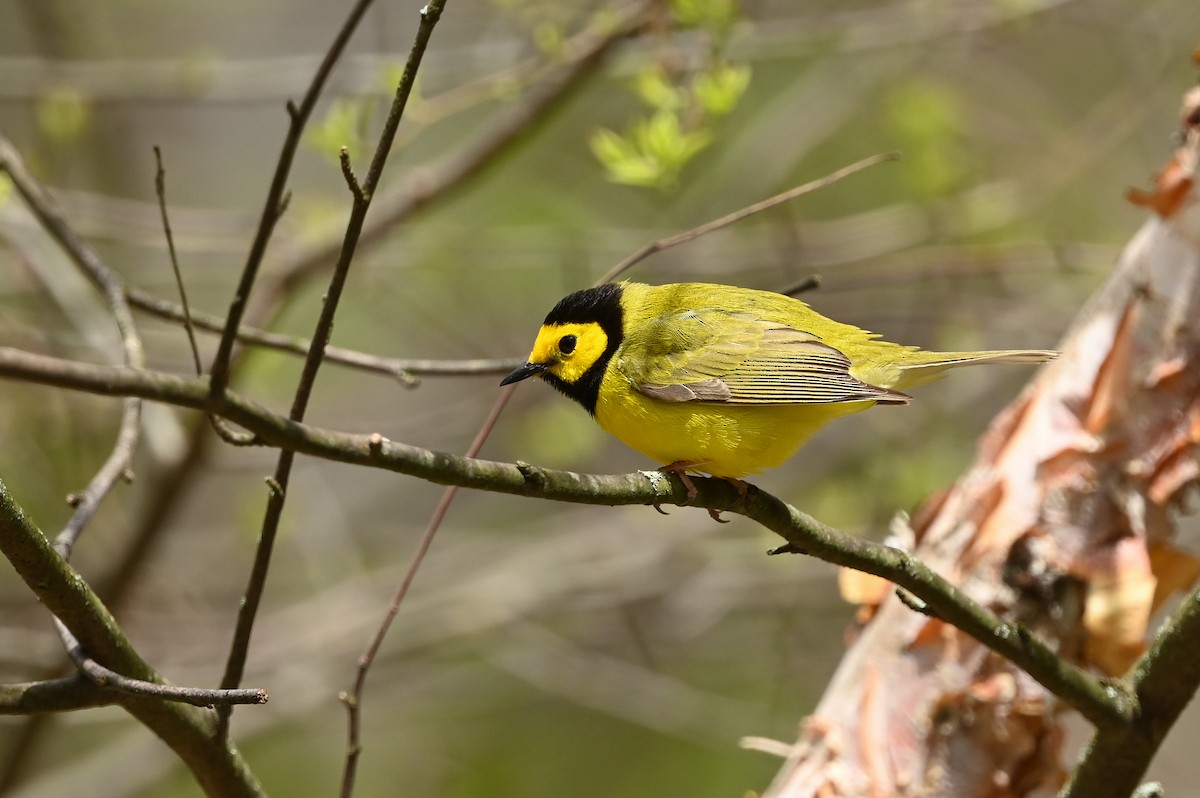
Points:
point(111, 680)
point(810, 283)
point(65, 694)
point(160, 188)
point(749, 210)
point(1103, 702)
point(353, 700)
point(248, 609)
point(117, 465)
point(348, 173)
point(227, 433)
point(216, 765)
point(277, 195)
point(423, 187)
point(406, 370)
point(277, 199)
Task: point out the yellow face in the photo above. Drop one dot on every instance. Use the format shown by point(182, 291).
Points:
point(568, 350)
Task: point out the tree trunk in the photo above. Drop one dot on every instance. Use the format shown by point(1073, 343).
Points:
point(1064, 523)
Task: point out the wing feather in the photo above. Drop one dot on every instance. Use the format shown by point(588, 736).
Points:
point(738, 358)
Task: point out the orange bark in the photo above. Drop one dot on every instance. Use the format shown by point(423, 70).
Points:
point(1064, 523)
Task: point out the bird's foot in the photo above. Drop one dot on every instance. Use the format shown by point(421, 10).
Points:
point(742, 487)
point(679, 468)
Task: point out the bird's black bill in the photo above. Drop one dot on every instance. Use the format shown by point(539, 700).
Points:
point(523, 373)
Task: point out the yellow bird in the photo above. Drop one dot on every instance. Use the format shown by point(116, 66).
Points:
point(719, 379)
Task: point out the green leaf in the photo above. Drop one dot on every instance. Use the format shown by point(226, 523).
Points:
point(718, 90)
point(662, 138)
point(656, 91)
point(659, 135)
point(611, 148)
point(713, 14)
point(925, 119)
point(623, 162)
point(925, 111)
point(640, 172)
point(548, 38)
point(63, 115)
point(339, 128)
point(605, 22)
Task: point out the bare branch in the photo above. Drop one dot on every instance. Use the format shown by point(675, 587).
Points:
point(423, 187)
point(188, 730)
point(1164, 681)
point(404, 369)
point(353, 700)
point(348, 173)
point(277, 195)
point(160, 189)
point(109, 679)
point(1100, 702)
point(248, 609)
point(739, 215)
point(116, 467)
point(227, 434)
point(52, 695)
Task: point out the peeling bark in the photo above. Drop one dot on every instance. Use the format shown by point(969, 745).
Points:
point(1064, 523)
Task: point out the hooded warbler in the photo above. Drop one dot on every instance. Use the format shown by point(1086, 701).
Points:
point(719, 379)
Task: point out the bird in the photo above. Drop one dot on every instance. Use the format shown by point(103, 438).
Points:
point(719, 379)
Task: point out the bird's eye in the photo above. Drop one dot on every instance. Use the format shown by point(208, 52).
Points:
point(566, 344)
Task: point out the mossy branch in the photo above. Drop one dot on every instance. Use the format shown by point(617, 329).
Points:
point(218, 767)
point(1104, 704)
point(1163, 681)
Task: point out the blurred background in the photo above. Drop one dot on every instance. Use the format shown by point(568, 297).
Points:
point(545, 648)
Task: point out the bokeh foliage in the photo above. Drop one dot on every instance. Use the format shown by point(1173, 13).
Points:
point(546, 649)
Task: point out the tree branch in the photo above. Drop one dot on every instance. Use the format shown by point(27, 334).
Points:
point(1103, 703)
point(744, 213)
point(276, 196)
point(363, 192)
point(188, 730)
point(107, 678)
point(1164, 681)
point(1065, 521)
point(353, 699)
point(160, 190)
point(424, 186)
point(117, 465)
point(52, 695)
point(404, 369)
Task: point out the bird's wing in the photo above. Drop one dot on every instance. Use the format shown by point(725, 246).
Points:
point(739, 358)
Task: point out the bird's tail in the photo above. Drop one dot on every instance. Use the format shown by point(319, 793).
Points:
point(929, 366)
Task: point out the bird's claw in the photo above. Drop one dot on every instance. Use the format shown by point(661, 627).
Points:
point(679, 468)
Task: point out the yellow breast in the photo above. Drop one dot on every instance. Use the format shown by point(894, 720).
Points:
point(722, 440)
